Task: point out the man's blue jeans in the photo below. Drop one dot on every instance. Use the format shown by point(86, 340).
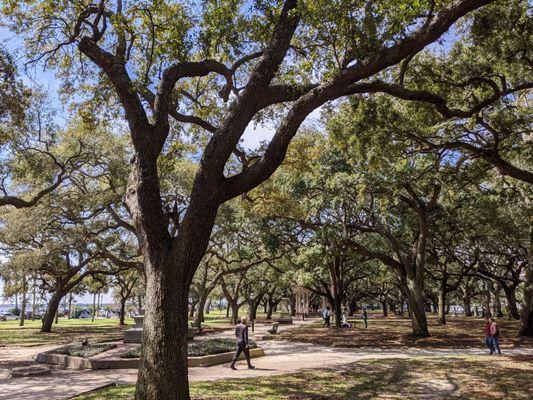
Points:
point(488, 343)
point(495, 344)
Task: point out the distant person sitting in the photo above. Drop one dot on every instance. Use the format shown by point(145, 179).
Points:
point(326, 314)
point(344, 321)
point(365, 317)
point(241, 333)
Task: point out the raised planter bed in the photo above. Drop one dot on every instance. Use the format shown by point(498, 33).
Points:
point(115, 361)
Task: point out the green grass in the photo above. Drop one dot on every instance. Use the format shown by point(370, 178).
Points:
point(476, 378)
point(66, 331)
point(392, 332)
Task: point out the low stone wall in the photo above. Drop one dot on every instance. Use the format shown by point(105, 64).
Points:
point(127, 363)
point(214, 359)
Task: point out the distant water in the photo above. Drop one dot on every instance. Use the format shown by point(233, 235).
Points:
point(6, 307)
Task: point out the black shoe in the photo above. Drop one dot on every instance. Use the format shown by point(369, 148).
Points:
point(233, 367)
point(251, 367)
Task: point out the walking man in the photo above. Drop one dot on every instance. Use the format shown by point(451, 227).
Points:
point(326, 314)
point(241, 333)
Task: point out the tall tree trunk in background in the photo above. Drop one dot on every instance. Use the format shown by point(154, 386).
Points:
point(384, 308)
point(23, 305)
point(227, 309)
point(292, 299)
point(70, 306)
point(207, 308)
point(526, 316)
point(497, 304)
point(122, 315)
point(94, 307)
point(510, 295)
point(234, 312)
point(200, 312)
point(487, 300)
point(33, 301)
point(139, 304)
point(442, 305)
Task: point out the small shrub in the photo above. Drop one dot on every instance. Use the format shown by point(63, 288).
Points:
point(77, 350)
point(203, 348)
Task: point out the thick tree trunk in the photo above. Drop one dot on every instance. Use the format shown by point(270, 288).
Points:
point(163, 364)
point(510, 295)
point(384, 307)
point(200, 312)
point(252, 307)
point(467, 306)
point(207, 308)
point(271, 307)
point(415, 301)
point(227, 309)
point(293, 305)
point(442, 307)
point(51, 311)
point(337, 308)
point(234, 312)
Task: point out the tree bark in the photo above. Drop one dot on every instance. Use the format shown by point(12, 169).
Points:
point(234, 312)
point(94, 307)
point(23, 305)
point(33, 302)
point(510, 295)
point(415, 302)
point(442, 306)
point(70, 306)
point(122, 311)
point(51, 311)
point(200, 312)
point(384, 307)
point(467, 306)
point(526, 316)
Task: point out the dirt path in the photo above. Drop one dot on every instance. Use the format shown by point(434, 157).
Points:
point(282, 357)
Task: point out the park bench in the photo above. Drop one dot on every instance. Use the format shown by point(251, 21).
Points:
point(274, 329)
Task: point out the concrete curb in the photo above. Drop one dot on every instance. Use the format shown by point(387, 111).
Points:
point(130, 363)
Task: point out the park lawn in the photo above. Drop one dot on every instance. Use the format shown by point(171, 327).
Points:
point(464, 377)
point(66, 331)
point(392, 332)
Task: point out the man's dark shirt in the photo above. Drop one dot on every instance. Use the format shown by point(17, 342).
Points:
point(241, 333)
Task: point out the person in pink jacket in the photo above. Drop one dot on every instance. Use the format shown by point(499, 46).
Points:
point(494, 335)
